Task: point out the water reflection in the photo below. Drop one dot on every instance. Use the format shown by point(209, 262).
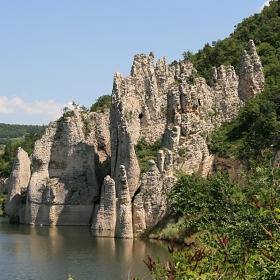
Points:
point(54, 252)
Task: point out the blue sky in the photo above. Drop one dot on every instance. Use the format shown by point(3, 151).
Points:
point(57, 51)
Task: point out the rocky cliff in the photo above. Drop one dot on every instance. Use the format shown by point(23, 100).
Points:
point(164, 102)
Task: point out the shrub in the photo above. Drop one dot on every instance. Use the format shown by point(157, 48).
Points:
point(102, 103)
point(145, 152)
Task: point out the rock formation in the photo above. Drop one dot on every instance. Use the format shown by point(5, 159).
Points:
point(18, 183)
point(164, 102)
point(104, 220)
point(63, 186)
point(251, 76)
point(124, 228)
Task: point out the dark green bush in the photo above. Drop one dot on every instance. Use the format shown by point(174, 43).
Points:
point(145, 152)
point(102, 103)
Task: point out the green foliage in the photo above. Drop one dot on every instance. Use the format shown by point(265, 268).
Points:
point(230, 251)
point(263, 28)
point(102, 103)
point(86, 127)
point(3, 197)
point(174, 63)
point(145, 152)
point(242, 221)
point(7, 158)
point(256, 127)
point(12, 132)
point(66, 112)
point(208, 204)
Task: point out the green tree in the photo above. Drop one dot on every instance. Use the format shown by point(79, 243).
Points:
point(102, 103)
point(7, 158)
point(229, 253)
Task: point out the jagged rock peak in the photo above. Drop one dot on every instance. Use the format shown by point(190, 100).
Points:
point(143, 64)
point(251, 76)
point(223, 76)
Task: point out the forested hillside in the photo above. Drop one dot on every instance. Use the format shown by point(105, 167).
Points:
point(233, 228)
point(10, 132)
point(13, 136)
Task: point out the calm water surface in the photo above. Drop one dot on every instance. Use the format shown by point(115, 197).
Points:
point(29, 252)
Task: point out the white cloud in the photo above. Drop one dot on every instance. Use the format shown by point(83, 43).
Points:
point(45, 110)
point(266, 3)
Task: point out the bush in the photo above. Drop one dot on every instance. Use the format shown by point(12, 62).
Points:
point(244, 244)
point(146, 152)
point(102, 103)
point(256, 127)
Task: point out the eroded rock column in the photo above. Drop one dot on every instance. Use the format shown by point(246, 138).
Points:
point(18, 183)
point(105, 219)
point(124, 227)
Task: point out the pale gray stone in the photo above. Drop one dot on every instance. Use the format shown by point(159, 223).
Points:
point(124, 227)
point(104, 220)
point(18, 183)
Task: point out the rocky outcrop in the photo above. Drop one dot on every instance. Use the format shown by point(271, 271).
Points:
point(124, 228)
point(18, 183)
point(173, 103)
point(104, 220)
point(164, 102)
point(251, 76)
point(98, 136)
point(63, 187)
point(234, 168)
point(137, 111)
point(151, 201)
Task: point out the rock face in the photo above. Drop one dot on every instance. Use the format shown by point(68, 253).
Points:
point(251, 74)
point(164, 102)
point(151, 200)
point(172, 103)
point(124, 227)
point(105, 219)
point(63, 186)
point(18, 183)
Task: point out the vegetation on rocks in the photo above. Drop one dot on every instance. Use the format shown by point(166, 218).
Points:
point(240, 226)
point(146, 152)
point(257, 125)
point(239, 222)
point(262, 28)
point(102, 103)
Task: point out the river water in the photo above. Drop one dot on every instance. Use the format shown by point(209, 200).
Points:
point(34, 252)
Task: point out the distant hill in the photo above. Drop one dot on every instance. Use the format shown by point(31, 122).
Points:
point(13, 136)
point(12, 132)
